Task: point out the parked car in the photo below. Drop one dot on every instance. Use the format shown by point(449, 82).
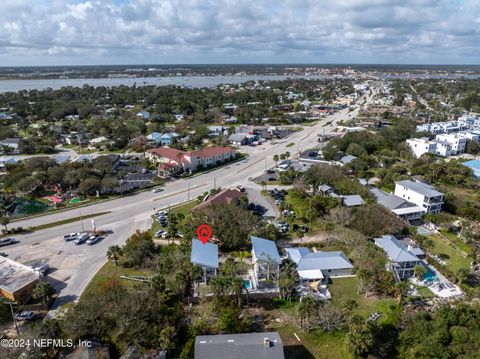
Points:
point(3, 254)
point(241, 188)
point(70, 236)
point(304, 229)
point(156, 190)
point(161, 213)
point(81, 238)
point(93, 239)
point(42, 268)
point(7, 241)
point(161, 233)
point(25, 315)
point(180, 234)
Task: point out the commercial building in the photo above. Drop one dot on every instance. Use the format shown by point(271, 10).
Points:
point(421, 194)
point(171, 160)
point(16, 280)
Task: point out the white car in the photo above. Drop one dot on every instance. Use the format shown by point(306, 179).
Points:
point(25, 315)
point(161, 233)
point(161, 213)
point(93, 239)
point(156, 190)
point(7, 241)
point(70, 236)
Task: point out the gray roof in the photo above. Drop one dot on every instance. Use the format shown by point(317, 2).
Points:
point(395, 250)
point(352, 200)
point(237, 137)
point(204, 255)
point(347, 159)
point(14, 276)
point(324, 188)
point(6, 141)
point(295, 254)
point(389, 200)
point(265, 250)
point(420, 187)
point(323, 261)
point(239, 346)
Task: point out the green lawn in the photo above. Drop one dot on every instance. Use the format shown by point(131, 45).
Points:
point(456, 259)
point(110, 271)
point(425, 292)
point(343, 289)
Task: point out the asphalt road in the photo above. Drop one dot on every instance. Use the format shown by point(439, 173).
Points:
point(76, 265)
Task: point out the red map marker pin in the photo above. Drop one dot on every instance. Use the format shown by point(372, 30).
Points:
point(204, 232)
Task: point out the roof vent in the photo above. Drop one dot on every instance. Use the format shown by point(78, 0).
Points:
point(266, 343)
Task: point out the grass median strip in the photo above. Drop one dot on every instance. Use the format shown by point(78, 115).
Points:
point(66, 221)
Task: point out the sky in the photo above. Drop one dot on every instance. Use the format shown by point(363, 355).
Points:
point(69, 32)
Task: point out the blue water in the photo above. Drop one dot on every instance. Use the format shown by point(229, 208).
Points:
point(247, 284)
point(429, 276)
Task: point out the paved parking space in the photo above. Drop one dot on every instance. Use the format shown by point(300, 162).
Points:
point(254, 196)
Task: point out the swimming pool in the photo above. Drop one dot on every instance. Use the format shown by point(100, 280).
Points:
point(430, 275)
point(247, 284)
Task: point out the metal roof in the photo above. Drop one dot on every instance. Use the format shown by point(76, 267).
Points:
point(239, 346)
point(295, 254)
point(352, 200)
point(420, 187)
point(265, 250)
point(388, 200)
point(204, 255)
point(395, 250)
point(14, 276)
point(347, 159)
point(324, 261)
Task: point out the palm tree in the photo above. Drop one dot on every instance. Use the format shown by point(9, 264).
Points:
point(44, 291)
point(419, 271)
point(276, 158)
point(114, 253)
point(5, 221)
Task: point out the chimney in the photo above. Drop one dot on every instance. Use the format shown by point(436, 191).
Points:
point(266, 343)
point(409, 248)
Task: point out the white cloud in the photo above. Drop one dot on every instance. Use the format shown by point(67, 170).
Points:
point(212, 31)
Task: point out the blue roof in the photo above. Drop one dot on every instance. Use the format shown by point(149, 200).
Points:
point(475, 166)
point(154, 136)
point(295, 254)
point(204, 255)
point(324, 261)
point(395, 250)
point(265, 250)
point(472, 163)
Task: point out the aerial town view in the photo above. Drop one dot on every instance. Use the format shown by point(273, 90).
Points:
point(236, 180)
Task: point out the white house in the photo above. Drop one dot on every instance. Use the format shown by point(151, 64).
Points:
point(265, 259)
point(420, 146)
point(402, 259)
point(144, 115)
point(421, 194)
point(313, 266)
point(456, 142)
point(13, 145)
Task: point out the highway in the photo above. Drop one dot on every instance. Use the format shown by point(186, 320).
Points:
point(74, 266)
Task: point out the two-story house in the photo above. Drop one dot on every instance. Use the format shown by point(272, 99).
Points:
point(421, 194)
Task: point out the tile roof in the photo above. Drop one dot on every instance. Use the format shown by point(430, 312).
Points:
point(225, 196)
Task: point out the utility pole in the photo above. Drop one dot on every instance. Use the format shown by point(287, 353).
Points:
point(81, 221)
point(13, 313)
